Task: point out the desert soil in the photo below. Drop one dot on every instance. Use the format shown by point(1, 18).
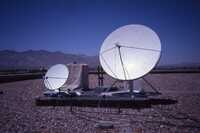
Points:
point(18, 112)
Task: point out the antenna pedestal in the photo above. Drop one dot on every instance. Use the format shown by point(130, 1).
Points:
point(129, 85)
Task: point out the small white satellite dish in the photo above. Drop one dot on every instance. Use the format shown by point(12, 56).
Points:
point(130, 52)
point(56, 77)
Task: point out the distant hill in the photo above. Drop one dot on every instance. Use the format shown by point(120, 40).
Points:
point(34, 59)
point(180, 66)
point(40, 58)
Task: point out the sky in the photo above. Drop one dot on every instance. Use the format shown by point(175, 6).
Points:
point(80, 26)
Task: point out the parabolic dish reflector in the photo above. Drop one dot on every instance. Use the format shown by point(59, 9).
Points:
point(56, 76)
point(130, 52)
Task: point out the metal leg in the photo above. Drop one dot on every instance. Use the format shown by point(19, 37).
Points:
point(152, 87)
point(119, 110)
point(71, 109)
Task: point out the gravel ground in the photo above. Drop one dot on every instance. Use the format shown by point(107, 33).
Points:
point(18, 112)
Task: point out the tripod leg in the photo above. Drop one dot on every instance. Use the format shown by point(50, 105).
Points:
point(152, 87)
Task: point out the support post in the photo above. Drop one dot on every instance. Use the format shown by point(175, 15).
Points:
point(100, 76)
point(131, 85)
point(119, 110)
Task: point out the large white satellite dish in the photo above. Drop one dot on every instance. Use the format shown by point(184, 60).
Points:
point(56, 77)
point(130, 52)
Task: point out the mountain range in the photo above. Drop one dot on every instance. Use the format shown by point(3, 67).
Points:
point(40, 58)
point(34, 59)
